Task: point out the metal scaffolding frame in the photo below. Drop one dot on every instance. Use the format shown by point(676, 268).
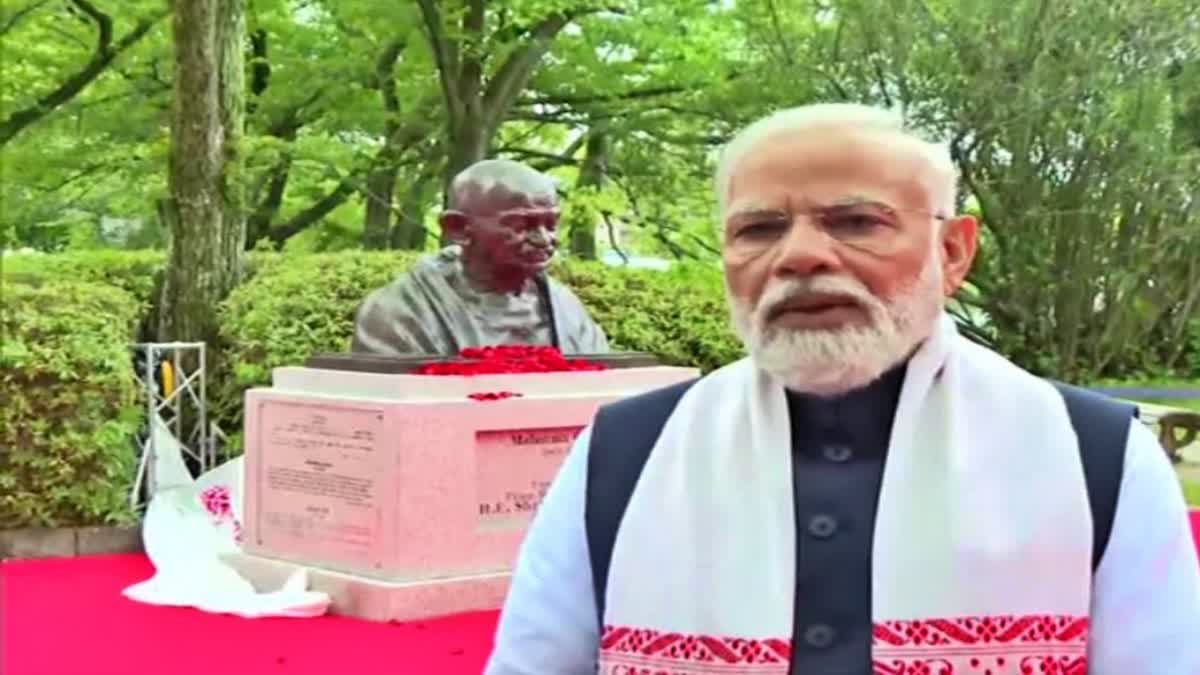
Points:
point(183, 410)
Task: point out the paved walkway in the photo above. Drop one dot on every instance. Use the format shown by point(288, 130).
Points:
point(1171, 393)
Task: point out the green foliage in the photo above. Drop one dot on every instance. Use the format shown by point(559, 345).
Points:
point(299, 305)
point(1193, 346)
point(133, 272)
point(680, 316)
point(102, 153)
point(70, 412)
point(1191, 492)
point(295, 306)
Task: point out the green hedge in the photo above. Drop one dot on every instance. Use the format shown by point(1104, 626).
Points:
point(70, 407)
point(71, 411)
point(132, 271)
point(299, 305)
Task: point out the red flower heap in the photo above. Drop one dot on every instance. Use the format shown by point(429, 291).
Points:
point(508, 359)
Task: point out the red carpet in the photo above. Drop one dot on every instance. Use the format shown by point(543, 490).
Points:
point(1196, 528)
point(67, 617)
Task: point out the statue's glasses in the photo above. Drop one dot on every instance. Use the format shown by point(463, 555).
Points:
point(865, 225)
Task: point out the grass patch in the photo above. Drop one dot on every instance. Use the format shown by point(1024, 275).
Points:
point(1186, 403)
point(1191, 492)
point(1161, 383)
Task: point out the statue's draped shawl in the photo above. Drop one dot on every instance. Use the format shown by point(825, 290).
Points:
point(433, 309)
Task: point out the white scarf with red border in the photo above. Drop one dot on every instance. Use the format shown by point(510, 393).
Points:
point(982, 545)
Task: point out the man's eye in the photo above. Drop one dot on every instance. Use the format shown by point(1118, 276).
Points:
point(534, 222)
point(760, 230)
point(855, 222)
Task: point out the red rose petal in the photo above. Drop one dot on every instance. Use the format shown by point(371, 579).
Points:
point(508, 360)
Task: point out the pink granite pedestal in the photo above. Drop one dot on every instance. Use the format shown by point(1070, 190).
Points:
point(375, 600)
point(402, 496)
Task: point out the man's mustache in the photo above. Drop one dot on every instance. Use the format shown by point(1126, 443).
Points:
point(796, 291)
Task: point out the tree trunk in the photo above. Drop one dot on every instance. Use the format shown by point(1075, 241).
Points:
point(377, 223)
point(205, 211)
point(258, 225)
point(478, 103)
point(409, 233)
point(469, 143)
point(381, 182)
point(231, 59)
point(582, 230)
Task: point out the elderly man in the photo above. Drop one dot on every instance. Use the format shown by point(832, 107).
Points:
point(867, 492)
point(490, 287)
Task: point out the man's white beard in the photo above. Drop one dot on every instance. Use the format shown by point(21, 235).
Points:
point(828, 362)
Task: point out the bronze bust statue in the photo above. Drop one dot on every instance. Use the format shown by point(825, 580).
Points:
point(490, 286)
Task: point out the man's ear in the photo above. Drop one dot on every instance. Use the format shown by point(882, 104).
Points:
point(455, 226)
point(960, 239)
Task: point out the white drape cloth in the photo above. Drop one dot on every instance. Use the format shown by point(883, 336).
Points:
point(189, 525)
point(982, 548)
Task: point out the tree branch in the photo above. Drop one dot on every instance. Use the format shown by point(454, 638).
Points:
point(550, 157)
point(313, 214)
point(635, 94)
point(105, 54)
point(612, 236)
point(443, 56)
point(286, 125)
point(784, 44)
point(692, 139)
point(82, 173)
point(285, 128)
point(103, 24)
point(406, 136)
point(12, 21)
point(514, 73)
point(385, 77)
point(470, 54)
point(260, 68)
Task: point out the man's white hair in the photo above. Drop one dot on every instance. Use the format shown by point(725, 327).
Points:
point(814, 118)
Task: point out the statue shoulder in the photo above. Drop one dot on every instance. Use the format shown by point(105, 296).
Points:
point(400, 291)
point(561, 292)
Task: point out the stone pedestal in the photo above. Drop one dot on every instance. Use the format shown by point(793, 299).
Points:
point(403, 496)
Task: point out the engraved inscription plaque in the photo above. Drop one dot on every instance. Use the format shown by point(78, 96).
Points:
point(321, 482)
point(514, 470)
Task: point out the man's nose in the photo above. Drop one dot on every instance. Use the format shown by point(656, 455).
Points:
point(806, 249)
point(542, 236)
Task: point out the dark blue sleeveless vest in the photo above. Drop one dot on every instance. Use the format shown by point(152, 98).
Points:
point(835, 508)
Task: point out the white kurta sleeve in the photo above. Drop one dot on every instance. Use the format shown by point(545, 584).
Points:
point(1146, 594)
point(548, 624)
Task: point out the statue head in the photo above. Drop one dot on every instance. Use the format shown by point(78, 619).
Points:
point(504, 215)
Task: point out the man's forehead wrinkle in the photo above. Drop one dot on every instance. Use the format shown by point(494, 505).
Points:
point(907, 192)
point(853, 200)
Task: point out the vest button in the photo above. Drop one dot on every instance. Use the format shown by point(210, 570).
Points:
point(837, 453)
point(819, 636)
point(822, 526)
